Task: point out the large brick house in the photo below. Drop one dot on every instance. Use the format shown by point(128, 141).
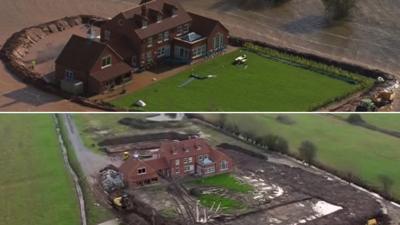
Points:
point(162, 29)
point(176, 159)
point(88, 66)
point(156, 31)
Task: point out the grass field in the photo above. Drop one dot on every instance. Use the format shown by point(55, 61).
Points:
point(385, 121)
point(266, 85)
point(95, 213)
point(342, 146)
point(35, 188)
point(226, 181)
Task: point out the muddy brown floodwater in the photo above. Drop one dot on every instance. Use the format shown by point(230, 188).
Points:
point(371, 37)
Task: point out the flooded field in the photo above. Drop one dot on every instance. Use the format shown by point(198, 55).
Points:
point(370, 37)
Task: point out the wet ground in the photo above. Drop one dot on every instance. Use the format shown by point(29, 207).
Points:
point(370, 37)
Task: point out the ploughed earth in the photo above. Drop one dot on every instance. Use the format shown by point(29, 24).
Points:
point(369, 37)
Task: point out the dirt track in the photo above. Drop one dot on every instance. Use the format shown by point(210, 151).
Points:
point(370, 38)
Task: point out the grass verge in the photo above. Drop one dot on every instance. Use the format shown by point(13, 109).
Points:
point(95, 212)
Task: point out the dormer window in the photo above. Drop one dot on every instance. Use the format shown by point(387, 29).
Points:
point(107, 35)
point(106, 62)
point(166, 35)
point(179, 31)
point(160, 37)
point(149, 42)
point(186, 28)
point(174, 12)
point(144, 24)
point(142, 171)
point(159, 18)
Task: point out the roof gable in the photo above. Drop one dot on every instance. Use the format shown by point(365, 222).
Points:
point(80, 53)
point(135, 16)
point(204, 25)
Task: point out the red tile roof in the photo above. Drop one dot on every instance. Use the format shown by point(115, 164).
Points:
point(112, 72)
point(80, 53)
point(204, 25)
point(167, 23)
point(130, 167)
point(174, 150)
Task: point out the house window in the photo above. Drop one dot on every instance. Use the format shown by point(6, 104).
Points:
point(210, 170)
point(218, 41)
point(188, 160)
point(149, 57)
point(163, 51)
point(177, 171)
point(149, 42)
point(144, 24)
point(160, 37)
point(188, 168)
point(69, 75)
point(159, 18)
point(174, 12)
point(166, 35)
point(186, 28)
point(179, 31)
point(142, 171)
point(106, 62)
point(107, 35)
point(199, 51)
point(224, 165)
point(200, 158)
point(177, 161)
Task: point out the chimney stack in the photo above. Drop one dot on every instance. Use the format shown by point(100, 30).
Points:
point(144, 10)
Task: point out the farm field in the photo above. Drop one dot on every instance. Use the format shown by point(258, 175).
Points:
point(342, 146)
point(35, 188)
point(265, 85)
point(384, 121)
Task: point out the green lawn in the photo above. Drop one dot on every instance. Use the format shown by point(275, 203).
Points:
point(227, 204)
point(226, 181)
point(342, 146)
point(266, 85)
point(385, 121)
point(95, 213)
point(35, 188)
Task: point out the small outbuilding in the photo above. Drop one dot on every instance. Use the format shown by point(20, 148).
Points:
point(86, 66)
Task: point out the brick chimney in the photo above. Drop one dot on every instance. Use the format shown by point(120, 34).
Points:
point(144, 10)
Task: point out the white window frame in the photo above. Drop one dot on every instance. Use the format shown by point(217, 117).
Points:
point(107, 35)
point(177, 162)
point(166, 36)
point(144, 24)
point(177, 170)
point(185, 28)
point(210, 169)
point(188, 168)
point(160, 38)
point(108, 60)
point(141, 168)
point(224, 165)
point(149, 42)
point(149, 56)
point(179, 30)
point(159, 18)
point(69, 74)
